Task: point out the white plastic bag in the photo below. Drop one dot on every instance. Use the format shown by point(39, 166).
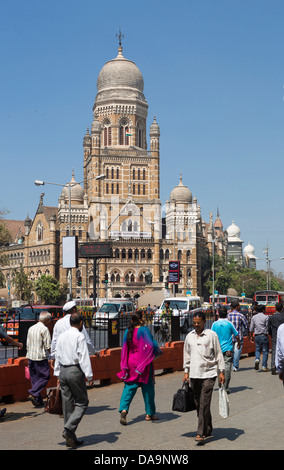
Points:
point(224, 407)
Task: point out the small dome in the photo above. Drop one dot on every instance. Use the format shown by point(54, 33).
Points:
point(77, 192)
point(181, 194)
point(234, 232)
point(87, 141)
point(249, 249)
point(155, 129)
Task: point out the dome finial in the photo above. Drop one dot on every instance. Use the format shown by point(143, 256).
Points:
point(119, 36)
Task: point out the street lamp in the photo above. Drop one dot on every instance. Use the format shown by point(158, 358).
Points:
point(69, 186)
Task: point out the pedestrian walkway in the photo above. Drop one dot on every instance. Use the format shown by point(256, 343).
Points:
point(255, 422)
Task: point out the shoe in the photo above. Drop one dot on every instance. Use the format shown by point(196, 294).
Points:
point(34, 401)
point(3, 412)
point(264, 369)
point(256, 364)
point(235, 369)
point(123, 415)
point(78, 442)
point(273, 370)
point(70, 438)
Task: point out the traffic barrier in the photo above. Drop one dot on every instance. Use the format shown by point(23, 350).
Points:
point(14, 386)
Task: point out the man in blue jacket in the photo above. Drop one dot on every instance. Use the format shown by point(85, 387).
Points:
point(225, 331)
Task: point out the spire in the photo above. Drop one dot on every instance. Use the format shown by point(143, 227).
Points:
point(119, 36)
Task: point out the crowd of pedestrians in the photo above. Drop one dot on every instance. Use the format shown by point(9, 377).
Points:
point(209, 354)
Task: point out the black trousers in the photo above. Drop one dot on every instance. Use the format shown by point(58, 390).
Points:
point(202, 390)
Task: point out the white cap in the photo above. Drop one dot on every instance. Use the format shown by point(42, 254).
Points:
point(69, 305)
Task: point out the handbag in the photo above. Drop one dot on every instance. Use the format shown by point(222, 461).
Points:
point(54, 401)
point(183, 399)
point(224, 406)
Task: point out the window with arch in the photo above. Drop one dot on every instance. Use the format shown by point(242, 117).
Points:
point(124, 132)
point(39, 232)
point(107, 134)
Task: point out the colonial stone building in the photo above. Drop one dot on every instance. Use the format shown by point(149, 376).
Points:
point(123, 207)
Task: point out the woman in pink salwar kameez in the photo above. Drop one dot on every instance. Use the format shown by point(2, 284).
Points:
point(137, 355)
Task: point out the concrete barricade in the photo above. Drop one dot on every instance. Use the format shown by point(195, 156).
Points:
point(14, 386)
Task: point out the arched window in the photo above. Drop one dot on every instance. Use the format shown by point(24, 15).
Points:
point(149, 254)
point(107, 134)
point(124, 133)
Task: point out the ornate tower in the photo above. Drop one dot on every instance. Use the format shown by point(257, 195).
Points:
point(125, 206)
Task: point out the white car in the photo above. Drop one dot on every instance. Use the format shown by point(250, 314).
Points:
point(112, 310)
point(181, 306)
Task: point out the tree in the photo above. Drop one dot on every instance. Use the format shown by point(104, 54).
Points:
point(23, 287)
point(50, 290)
point(230, 274)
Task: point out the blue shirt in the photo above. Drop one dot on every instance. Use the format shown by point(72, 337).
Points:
point(225, 329)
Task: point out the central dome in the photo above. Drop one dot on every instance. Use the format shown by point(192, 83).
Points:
point(120, 78)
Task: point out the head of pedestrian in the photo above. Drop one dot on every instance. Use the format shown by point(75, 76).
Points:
point(77, 321)
point(223, 312)
point(261, 309)
point(199, 319)
point(279, 307)
point(70, 307)
point(45, 317)
point(235, 305)
point(167, 305)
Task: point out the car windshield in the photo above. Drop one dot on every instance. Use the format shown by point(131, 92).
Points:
point(27, 314)
point(112, 308)
point(177, 304)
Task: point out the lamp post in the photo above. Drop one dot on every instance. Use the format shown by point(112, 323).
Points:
point(69, 186)
point(268, 264)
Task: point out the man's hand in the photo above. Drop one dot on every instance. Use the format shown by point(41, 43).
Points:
point(221, 377)
point(186, 377)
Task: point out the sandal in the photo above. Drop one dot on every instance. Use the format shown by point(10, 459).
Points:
point(123, 415)
point(151, 418)
point(199, 439)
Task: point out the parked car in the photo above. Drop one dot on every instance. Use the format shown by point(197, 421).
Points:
point(113, 309)
point(28, 313)
point(181, 306)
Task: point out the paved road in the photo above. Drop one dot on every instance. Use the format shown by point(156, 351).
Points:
point(256, 420)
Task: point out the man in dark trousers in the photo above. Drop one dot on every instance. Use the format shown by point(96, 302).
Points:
point(202, 359)
point(274, 321)
point(73, 366)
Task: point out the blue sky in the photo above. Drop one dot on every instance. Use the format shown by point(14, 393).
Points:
point(213, 73)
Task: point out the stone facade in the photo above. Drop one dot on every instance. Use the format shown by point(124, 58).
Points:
point(124, 207)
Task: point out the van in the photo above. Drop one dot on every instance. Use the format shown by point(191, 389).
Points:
point(113, 309)
point(181, 306)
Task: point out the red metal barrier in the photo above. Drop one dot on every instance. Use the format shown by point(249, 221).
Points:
point(14, 386)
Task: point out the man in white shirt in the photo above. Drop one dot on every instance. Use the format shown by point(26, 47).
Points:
point(38, 346)
point(63, 324)
point(202, 359)
point(73, 366)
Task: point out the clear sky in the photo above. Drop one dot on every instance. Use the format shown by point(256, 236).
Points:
point(213, 73)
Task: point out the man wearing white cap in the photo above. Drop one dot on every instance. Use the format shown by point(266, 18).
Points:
point(63, 324)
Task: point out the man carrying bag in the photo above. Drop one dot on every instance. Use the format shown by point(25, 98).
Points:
point(202, 359)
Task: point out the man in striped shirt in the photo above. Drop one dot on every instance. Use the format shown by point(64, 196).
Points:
point(241, 324)
point(38, 347)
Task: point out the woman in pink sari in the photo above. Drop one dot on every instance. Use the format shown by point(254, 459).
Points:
point(137, 355)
